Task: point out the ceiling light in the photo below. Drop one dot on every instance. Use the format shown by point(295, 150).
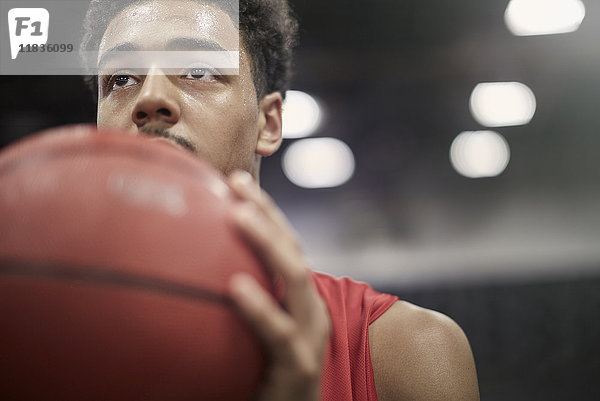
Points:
point(301, 115)
point(318, 163)
point(543, 17)
point(477, 154)
point(501, 104)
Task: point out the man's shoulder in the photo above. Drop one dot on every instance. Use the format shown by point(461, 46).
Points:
point(358, 299)
point(420, 354)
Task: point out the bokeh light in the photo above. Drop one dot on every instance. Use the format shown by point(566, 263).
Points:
point(302, 115)
point(318, 163)
point(477, 154)
point(502, 104)
point(543, 17)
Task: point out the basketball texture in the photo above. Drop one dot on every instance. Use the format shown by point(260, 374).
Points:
point(115, 255)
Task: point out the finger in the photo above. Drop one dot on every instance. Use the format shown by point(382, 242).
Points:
point(280, 255)
point(278, 331)
point(275, 241)
point(261, 311)
point(247, 188)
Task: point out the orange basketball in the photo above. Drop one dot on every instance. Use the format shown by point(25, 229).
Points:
point(115, 255)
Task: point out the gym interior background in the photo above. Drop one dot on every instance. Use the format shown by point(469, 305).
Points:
point(514, 258)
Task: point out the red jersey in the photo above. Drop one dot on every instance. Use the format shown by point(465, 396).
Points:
point(353, 306)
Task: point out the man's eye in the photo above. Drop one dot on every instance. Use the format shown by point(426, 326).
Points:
point(201, 74)
point(122, 81)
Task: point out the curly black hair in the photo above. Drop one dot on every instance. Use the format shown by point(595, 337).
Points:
point(268, 30)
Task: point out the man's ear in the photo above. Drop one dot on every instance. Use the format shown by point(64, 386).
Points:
point(269, 128)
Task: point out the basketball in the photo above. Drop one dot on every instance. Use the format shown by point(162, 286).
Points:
point(115, 257)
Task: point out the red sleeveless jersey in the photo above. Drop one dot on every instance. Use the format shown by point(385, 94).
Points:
point(347, 370)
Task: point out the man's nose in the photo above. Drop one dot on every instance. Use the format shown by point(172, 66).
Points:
point(156, 102)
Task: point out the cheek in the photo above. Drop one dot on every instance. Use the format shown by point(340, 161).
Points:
point(224, 134)
point(224, 119)
point(111, 114)
point(246, 118)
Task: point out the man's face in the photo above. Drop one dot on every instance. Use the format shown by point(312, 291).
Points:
point(217, 115)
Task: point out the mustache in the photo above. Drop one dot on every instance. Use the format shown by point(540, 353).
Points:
point(164, 133)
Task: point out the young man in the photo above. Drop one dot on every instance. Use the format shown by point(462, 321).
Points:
point(336, 339)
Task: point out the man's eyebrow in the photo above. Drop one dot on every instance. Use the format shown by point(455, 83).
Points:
point(181, 44)
point(194, 44)
point(114, 52)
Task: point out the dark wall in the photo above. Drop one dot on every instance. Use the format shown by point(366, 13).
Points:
point(31, 103)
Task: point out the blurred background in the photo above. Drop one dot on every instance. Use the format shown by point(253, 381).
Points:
point(444, 151)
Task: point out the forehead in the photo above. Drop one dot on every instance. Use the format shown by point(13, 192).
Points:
point(150, 25)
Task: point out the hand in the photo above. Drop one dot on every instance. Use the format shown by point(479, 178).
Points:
point(295, 338)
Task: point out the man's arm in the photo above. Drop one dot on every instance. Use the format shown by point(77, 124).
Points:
point(421, 355)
